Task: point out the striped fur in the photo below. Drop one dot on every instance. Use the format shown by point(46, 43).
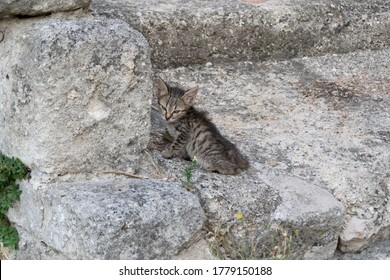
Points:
point(194, 134)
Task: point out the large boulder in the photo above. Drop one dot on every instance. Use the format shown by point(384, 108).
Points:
point(109, 219)
point(39, 7)
point(74, 94)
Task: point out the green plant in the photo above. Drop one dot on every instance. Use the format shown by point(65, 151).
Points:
point(11, 170)
point(188, 173)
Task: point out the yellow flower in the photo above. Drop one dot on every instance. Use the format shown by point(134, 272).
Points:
point(240, 216)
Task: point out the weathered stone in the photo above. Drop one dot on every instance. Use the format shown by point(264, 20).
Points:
point(316, 215)
point(360, 231)
point(312, 128)
point(39, 7)
point(106, 219)
point(266, 200)
point(284, 203)
point(324, 120)
point(198, 251)
point(192, 32)
point(379, 250)
point(74, 94)
point(355, 235)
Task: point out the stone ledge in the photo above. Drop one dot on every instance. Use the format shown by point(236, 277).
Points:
point(39, 7)
point(106, 219)
point(195, 32)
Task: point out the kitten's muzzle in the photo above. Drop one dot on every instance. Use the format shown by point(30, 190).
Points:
point(168, 117)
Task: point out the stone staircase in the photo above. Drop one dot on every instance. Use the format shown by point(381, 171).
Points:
point(182, 33)
point(302, 88)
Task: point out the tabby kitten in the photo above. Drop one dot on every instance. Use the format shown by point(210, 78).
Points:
point(194, 134)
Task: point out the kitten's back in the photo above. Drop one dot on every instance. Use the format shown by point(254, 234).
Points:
point(209, 144)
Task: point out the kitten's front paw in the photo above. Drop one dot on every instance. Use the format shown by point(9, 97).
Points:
point(183, 154)
point(167, 154)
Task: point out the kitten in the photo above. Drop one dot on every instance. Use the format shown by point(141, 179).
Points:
point(194, 134)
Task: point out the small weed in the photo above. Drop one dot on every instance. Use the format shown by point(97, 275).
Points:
point(11, 169)
point(188, 173)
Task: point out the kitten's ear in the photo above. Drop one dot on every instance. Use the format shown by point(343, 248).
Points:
point(162, 88)
point(189, 96)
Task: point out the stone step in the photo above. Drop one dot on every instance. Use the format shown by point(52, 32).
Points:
point(110, 218)
point(196, 32)
point(322, 119)
point(23, 8)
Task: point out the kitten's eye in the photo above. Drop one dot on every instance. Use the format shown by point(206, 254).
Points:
point(176, 112)
point(163, 107)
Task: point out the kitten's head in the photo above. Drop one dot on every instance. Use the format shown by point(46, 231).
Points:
point(174, 102)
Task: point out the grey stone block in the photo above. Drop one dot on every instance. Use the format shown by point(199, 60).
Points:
point(74, 94)
point(106, 219)
point(195, 32)
point(39, 7)
point(316, 214)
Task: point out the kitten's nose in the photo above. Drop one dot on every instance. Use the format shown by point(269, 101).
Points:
point(167, 117)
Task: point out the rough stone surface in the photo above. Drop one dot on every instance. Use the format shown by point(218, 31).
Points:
point(198, 31)
point(270, 210)
point(265, 199)
point(39, 7)
point(74, 94)
point(324, 120)
point(106, 219)
point(198, 251)
point(379, 250)
point(313, 211)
